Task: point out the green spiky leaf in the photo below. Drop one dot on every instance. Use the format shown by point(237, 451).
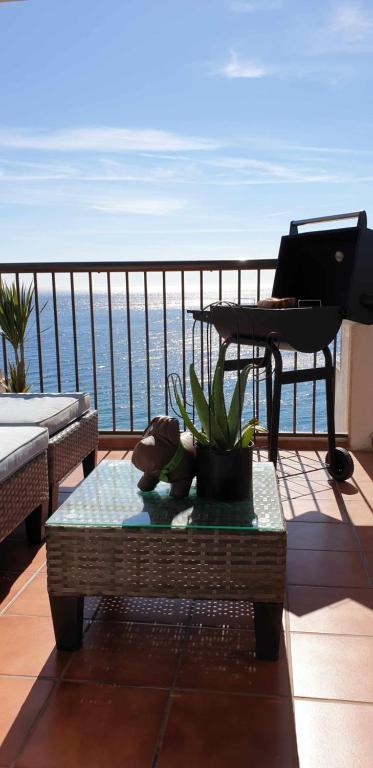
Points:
point(236, 406)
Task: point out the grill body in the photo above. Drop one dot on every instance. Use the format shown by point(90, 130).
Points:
point(332, 271)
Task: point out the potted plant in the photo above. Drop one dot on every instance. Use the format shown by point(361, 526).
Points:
point(224, 445)
point(16, 307)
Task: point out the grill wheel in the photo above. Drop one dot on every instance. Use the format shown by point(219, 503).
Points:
point(343, 465)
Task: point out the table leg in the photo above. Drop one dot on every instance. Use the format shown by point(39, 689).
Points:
point(268, 623)
point(67, 615)
point(35, 529)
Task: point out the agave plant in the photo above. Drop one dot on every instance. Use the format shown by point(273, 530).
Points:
point(221, 426)
point(16, 307)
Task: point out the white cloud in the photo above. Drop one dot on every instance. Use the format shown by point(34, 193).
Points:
point(251, 171)
point(244, 68)
point(140, 206)
point(352, 21)
point(264, 5)
point(105, 139)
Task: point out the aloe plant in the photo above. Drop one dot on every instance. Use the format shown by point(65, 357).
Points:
point(220, 425)
point(15, 310)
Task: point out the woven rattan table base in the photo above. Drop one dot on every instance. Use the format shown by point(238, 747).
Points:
point(199, 563)
point(162, 563)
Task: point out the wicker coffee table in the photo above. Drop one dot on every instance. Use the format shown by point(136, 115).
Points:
point(109, 539)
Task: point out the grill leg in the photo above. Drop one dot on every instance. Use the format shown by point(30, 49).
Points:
point(275, 420)
point(329, 390)
point(268, 368)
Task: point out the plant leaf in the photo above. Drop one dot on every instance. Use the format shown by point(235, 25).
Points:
point(220, 424)
point(235, 410)
point(200, 437)
point(200, 401)
point(247, 436)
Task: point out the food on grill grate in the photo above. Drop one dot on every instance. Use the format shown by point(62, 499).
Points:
point(273, 303)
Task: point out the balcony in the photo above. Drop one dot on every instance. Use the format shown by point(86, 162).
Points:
point(164, 683)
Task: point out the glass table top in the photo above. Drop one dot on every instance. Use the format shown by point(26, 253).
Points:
point(109, 497)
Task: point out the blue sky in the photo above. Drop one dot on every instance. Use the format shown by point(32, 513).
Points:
point(146, 129)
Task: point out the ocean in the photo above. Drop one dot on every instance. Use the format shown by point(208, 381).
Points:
point(174, 357)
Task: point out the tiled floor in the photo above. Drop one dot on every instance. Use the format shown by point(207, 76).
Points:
point(175, 684)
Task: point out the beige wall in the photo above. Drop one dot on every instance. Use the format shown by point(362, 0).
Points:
point(354, 385)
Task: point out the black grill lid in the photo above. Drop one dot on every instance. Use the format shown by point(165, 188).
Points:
point(334, 265)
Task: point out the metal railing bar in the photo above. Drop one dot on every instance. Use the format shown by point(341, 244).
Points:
point(93, 340)
point(111, 347)
point(129, 342)
point(202, 328)
point(75, 338)
point(314, 397)
point(183, 333)
point(165, 340)
point(147, 351)
point(257, 285)
point(38, 332)
point(256, 372)
point(138, 266)
point(17, 284)
point(56, 335)
point(295, 395)
point(3, 343)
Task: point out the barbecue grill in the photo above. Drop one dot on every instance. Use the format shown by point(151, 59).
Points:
point(330, 272)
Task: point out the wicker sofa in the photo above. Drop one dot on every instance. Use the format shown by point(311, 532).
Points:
point(24, 490)
point(72, 429)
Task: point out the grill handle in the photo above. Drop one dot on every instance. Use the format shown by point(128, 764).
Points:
point(361, 217)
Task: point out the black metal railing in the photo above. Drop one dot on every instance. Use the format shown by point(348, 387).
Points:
point(117, 329)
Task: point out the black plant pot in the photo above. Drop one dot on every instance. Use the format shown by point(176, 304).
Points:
point(225, 475)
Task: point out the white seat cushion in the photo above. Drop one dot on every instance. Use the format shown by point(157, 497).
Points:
point(18, 445)
point(53, 411)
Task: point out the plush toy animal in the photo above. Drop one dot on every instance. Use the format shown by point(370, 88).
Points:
point(165, 454)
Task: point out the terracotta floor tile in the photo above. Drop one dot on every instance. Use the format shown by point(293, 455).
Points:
point(144, 609)
point(17, 556)
point(369, 559)
point(215, 730)
point(339, 610)
point(130, 654)
point(365, 536)
point(224, 660)
point(332, 667)
point(309, 510)
point(223, 613)
point(334, 735)
point(10, 585)
point(34, 599)
point(116, 455)
point(96, 726)
point(359, 513)
point(322, 536)
point(27, 647)
point(72, 480)
point(325, 569)
point(365, 489)
point(297, 488)
point(20, 703)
